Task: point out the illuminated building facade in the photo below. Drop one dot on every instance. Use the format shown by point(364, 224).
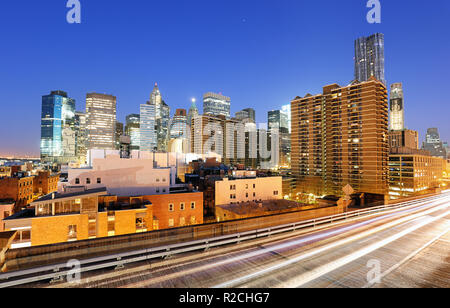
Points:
point(132, 129)
point(58, 137)
point(81, 136)
point(118, 132)
point(397, 108)
point(216, 105)
point(340, 137)
point(147, 132)
point(414, 174)
point(101, 121)
point(162, 120)
point(433, 143)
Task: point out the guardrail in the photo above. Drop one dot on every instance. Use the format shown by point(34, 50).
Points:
point(58, 271)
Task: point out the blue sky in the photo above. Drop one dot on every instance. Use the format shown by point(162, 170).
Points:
point(261, 53)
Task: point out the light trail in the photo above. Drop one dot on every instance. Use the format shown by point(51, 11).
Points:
point(331, 246)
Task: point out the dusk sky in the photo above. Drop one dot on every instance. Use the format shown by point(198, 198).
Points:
point(261, 53)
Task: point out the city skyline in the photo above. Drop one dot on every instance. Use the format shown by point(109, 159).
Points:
point(181, 81)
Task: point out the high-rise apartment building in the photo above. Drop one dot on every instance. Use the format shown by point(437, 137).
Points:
point(369, 58)
point(132, 129)
point(101, 121)
point(216, 105)
point(397, 108)
point(340, 137)
point(58, 137)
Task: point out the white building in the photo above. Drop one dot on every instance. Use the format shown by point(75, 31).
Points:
point(246, 187)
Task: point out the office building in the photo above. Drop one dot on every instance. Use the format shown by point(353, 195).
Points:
point(247, 114)
point(147, 133)
point(216, 105)
point(132, 129)
point(277, 119)
point(369, 58)
point(101, 121)
point(405, 138)
point(433, 143)
point(412, 174)
point(178, 127)
point(397, 108)
point(162, 120)
point(119, 132)
point(340, 137)
point(58, 140)
point(81, 136)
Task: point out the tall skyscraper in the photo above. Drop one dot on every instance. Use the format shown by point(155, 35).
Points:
point(397, 107)
point(80, 129)
point(132, 129)
point(278, 119)
point(216, 105)
point(101, 121)
point(148, 133)
point(193, 112)
point(162, 119)
point(433, 143)
point(286, 109)
point(119, 133)
point(247, 114)
point(58, 137)
point(178, 127)
point(369, 58)
point(340, 137)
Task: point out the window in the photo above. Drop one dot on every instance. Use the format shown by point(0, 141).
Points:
point(99, 180)
point(72, 234)
point(254, 185)
point(182, 221)
point(88, 181)
point(157, 180)
point(157, 190)
point(246, 186)
point(77, 181)
point(246, 195)
point(171, 222)
point(193, 220)
point(254, 194)
point(182, 206)
point(275, 193)
point(170, 207)
point(141, 225)
point(192, 205)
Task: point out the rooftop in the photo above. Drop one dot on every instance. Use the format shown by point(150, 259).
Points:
point(56, 196)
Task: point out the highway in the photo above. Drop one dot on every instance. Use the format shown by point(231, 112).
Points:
point(405, 247)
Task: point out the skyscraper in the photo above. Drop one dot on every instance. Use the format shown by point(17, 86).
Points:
point(340, 137)
point(369, 58)
point(132, 129)
point(58, 138)
point(433, 143)
point(80, 129)
point(178, 127)
point(278, 119)
point(148, 135)
point(397, 107)
point(193, 112)
point(119, 132)
point(286, 109)
point(248, 114)
point(162, 119)
point(216, 105)
point(101, 121)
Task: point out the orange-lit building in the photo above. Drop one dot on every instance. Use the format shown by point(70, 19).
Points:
point(340, 137)
point(45, 183)
point(414, 174)
point(88, 214)
point(6, 210)
point(5, 171)
point(19, 189)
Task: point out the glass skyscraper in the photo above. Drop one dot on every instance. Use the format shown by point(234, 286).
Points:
point(216, 105)
point(162, 119)
point(132, 129)
point(148, 135)
point(58, 139)
point(178, 127)
point(278, 119)
point(369, 58)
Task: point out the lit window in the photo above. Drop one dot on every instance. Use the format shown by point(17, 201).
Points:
point(171, 222)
